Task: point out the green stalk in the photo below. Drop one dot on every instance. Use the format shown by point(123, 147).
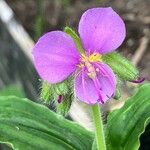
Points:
point(100, 139)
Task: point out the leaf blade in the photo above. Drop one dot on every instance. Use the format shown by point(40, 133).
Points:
point(46, 127)
point(129, 122)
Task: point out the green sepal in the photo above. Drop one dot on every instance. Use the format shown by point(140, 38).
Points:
point(51, 92)
point(62, 88)
point(46, 92)
point(121, 66)
point(64, 107)
point(76, 39)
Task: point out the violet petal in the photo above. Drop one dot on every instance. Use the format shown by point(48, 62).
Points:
point(55, 56)
point(107, 79)
point(97, 90)
point(85, 88)
point(101, 30)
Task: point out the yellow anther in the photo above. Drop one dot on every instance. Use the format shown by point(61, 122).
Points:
point(86, 61)
point(81, 65)
point(84, 58)
point(91, 70)
point(95, 57)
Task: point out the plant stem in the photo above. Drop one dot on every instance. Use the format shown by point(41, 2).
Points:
point(100, 139)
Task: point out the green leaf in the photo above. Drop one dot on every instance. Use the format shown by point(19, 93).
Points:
point(125, 125)
point(94, 145)
point(39, 26)
point(12, 90)
point(121, 66)
point(26, 125)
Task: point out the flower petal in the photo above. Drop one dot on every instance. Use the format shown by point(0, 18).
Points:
point(96, 90)
point(85, 89)
point(107, 79)
point(55, 56)
point(101, 30)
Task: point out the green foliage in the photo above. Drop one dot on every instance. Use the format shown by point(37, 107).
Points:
point(25, 125)
point(39, 26)
point(94, 145)
point(66, 3)
point(125, 125)
point(12, 90)
point(121, 66)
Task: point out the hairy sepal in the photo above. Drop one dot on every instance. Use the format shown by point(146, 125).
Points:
point(121, 66)
point(52, 92)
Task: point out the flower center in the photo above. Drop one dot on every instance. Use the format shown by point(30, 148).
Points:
point(86, 61)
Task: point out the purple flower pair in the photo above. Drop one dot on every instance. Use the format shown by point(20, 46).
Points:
point(56, 56)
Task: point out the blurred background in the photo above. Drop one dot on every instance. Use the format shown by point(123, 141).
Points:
point(22, 22)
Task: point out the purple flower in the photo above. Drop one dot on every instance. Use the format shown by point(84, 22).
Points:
point(56, 56)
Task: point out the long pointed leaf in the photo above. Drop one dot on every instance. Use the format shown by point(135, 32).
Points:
point(125, 125)
point(27, 125)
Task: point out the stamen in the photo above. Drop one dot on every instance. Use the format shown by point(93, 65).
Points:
point(80, 65)
point(91, 70)
point(95, 57)
point(86, 61)
point(97, 69)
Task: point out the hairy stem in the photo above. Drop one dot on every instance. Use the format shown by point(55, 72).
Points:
point(100, 139)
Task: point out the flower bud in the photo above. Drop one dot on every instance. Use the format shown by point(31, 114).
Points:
point(61, 88)
point(63, 107)
point(61, 94)
point(46, 92)
point(121, 66)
